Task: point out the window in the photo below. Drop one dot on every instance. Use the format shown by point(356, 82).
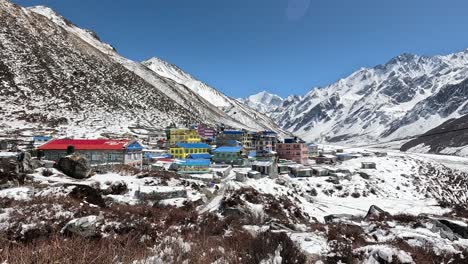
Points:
point(95, 157)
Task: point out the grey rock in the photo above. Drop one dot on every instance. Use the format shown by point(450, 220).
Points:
point(336, 218)
point(74, 166)
point(376, 212)
point(87, 226)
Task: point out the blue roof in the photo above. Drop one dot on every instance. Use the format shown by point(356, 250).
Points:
point(195, 162)
point(228, 149)
point(253, 154)
point(192, 145)
point(233, 132)
point(135, 146)
point(199, 156)
point(42, 138)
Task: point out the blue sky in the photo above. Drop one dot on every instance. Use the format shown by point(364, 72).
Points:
point(286, 47)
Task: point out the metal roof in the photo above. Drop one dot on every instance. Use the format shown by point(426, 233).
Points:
point(87, 144)
point(228, 149)
point(195, 162)
point(193, 145)
point(199, 156)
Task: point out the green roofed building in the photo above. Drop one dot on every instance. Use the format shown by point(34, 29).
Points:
point(228, 155)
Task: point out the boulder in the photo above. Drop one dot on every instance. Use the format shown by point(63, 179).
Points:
point(116, 188)
point(74, 166)
point(376, 212)
point(86, 193)
point(87, 226)
point(444, 231)
point(364, 175)
point(336, 218)
point(457, 227)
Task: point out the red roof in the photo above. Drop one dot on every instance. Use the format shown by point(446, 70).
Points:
point(86, 144)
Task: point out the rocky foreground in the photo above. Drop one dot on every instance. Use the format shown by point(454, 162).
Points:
point(405, 211)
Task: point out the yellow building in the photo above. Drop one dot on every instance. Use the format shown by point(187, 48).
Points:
point(182, 150)
point(184, 135)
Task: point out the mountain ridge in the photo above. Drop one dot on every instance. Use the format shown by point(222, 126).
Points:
point(397, 99)
point(94, 90)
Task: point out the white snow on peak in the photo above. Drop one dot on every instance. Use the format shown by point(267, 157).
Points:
point(263, 101)
point(176, 74)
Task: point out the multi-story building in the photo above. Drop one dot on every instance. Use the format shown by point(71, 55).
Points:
point(182, 150)
point(265, 141)
point(293, 149)
point(230, 138)
point(206, 133)
point(248, 142)
point(183, 135)
point(228, 155)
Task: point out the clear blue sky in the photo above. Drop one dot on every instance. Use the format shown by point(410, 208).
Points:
point(287, 47)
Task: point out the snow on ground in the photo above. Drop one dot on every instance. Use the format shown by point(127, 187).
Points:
point(136, 186)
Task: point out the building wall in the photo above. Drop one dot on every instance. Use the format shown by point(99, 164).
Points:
point(182, 153)
point(206, 132)
point(93, 156)
point(297, 152)
point(233, 158)
point(183, 135)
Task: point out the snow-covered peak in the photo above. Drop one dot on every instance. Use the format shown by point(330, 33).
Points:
point(399, 98)
point(87, 35)
point(263, 101)
point(168, 70)
point(50, 14)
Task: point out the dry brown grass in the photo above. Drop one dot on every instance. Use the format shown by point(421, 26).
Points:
point(75, 250)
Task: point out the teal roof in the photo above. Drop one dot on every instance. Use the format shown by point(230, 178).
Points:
point(192, 145)
point(195, 162)
point(227, 149)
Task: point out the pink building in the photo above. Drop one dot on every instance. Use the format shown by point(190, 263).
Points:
point(206, 132)
point(295, 151)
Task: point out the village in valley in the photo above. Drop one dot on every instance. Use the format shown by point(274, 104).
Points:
point(121, 150)
point(197, 151)
point(258, 179)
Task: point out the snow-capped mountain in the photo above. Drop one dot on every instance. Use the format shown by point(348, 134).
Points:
point(54, 74)
point(449, 138)
point(263, 102)
point(233, 108)
point(404, 97)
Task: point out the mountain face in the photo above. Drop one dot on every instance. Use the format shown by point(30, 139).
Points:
point(56, 75)
point(263, 102)
point(449, 138)
point(244, 114)
point(404, 97)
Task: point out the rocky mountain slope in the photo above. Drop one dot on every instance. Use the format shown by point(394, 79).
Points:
point(56, 75)
point(401, 98)
point(449, 138)
point(263, 102)
point(244, 114)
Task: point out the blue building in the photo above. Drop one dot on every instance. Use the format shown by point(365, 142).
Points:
point(228, 155)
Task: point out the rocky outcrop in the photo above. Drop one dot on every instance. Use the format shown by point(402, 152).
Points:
point(85, 226)
point(86, 193)
point(375, 213)
point(74, 166)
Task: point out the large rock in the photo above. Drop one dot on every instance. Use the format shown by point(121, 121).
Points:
point(457, 227)
point(375, 213)
point(444, 231)
point(337, 218)
point(86, 193)
point(87, 226)
point(74, 166)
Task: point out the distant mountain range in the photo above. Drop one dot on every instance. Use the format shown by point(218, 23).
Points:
point(263, 102)
point(406, 96)
point(55, 75)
